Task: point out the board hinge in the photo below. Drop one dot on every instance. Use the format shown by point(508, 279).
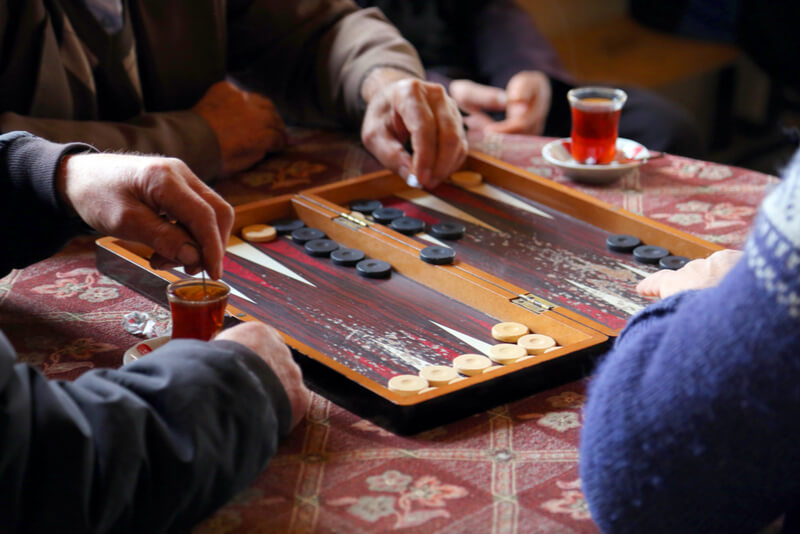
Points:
point(533, 303)
point(351, 221)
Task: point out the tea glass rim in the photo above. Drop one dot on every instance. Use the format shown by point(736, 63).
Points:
point(172, 297)
point(617, 98)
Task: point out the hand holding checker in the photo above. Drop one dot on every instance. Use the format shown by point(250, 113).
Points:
point(400, 108)
point(126, 196)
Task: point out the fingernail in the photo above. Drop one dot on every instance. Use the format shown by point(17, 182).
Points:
point(188, 255)
point(502, 99)
point(413, 182)
point(403, 172)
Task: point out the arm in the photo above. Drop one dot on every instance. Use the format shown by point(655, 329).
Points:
point(176, 133)
point(507, 41)
point(690, 424)
point(312, 56)
point(34, 223)
point(153, 447)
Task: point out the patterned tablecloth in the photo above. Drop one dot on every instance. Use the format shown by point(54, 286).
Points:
point(511, 469)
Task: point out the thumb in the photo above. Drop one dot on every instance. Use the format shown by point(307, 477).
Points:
point(168, 240)
point(472, 97)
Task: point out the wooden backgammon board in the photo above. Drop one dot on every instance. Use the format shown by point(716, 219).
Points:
point(534, 252)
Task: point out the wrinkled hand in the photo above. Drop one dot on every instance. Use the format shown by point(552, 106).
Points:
point(268, 344)
point(697, 274)
point(247, 125)
point(137, 197)
point(526, 102)
point(402, 108)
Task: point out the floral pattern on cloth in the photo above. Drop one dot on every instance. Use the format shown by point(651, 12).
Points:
point(84, 283)
point(711, 216)
point(572, 501)
point(426, 492)
point(281, 173)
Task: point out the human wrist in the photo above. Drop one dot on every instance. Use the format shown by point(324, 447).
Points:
point(381, 77)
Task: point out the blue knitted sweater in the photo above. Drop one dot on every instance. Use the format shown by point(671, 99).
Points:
point(693, 420)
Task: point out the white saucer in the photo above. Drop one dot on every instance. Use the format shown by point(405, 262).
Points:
point(143, 347)
point(630, 155)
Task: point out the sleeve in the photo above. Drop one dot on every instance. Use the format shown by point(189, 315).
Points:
point(153, 447)
point(311, 56)
point(690, 424)
point(507, 41)
point(33, 223)
point(180, 134)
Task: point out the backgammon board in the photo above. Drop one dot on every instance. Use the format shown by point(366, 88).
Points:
point(534, 252)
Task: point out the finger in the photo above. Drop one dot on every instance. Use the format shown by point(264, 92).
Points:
point(472, 97)
point(419, 120)
point(171, 244)
point(478, 121)
point(157, 261)
point(191, 211)
point(652, 285)
point(223, 211)
point(387, 149)
point(452, 144)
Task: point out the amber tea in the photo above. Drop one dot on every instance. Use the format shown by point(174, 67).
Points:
point(198, 308)
point(595, 120)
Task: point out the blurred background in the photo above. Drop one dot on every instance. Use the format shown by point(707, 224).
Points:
point(731, 63)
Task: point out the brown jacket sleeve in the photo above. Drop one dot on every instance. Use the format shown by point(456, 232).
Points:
point(311, 56)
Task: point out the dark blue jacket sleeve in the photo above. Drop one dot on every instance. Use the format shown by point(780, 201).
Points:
point(33, 223)
point(692, 420)
point(153, 447)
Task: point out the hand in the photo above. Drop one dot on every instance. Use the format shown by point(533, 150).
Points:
point(401, 107)
point(526, 102)
point(247, 125)
point(136, 197)
point(268, 344)
point(697, 274)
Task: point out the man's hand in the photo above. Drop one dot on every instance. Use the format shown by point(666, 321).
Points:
point(402, 108)
point(697, 274)
point(247, 125)
point(267, 343)
point(526, 102)
point(138, 197)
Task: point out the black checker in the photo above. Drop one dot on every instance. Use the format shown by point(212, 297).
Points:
point(347, 256)
point(287, 226)
point(387, 215)
point(673, 262)
point(408, 225)
point(374, 268)
point(303, 235)
point(649, 253)
point(448, 230)
point(365, 205)
point(622, 243)
point(320, 247)
point(437, 255)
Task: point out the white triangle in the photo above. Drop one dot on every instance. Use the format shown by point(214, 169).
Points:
point(490, 191)
point(621, 303)
point(421, 198)
point(634, 270)
point(234, 291)
point(477, 344)
point(245, 250)
point(428, 237)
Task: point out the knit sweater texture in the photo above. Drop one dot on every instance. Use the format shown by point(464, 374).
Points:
point(693, 419)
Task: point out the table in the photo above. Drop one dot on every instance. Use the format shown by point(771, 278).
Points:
point(510, 469)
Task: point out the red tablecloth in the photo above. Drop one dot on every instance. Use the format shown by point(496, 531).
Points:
point(511, 469)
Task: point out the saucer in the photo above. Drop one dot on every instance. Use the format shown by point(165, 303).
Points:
point(143, 347)
point(630, 155)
